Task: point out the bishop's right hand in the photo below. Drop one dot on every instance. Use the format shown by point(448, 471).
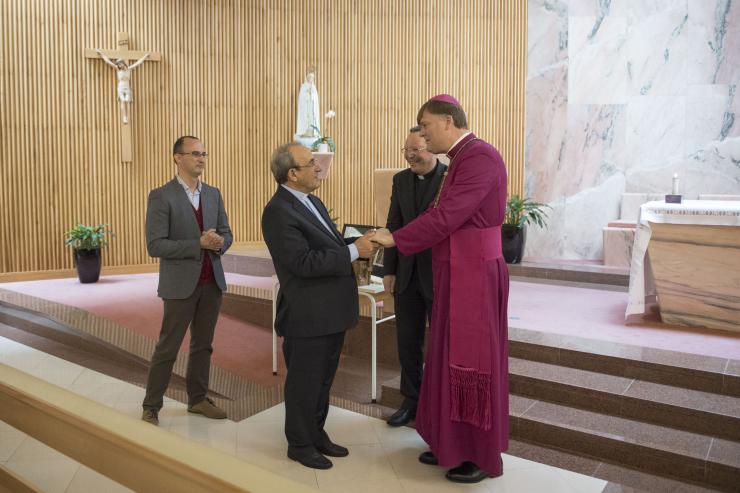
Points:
point(383, 237)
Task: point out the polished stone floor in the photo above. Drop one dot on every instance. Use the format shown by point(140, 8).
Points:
point(382, 459)
point(245, 386)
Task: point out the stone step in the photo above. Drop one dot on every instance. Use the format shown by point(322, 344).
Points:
point(689, 371)
point(44, 327)
point(581, 273)
point(693, 457)
point(690, 410)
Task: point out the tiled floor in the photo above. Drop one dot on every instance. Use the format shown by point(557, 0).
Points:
point(381, 458)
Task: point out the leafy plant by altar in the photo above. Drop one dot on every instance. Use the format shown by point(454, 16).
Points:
point(520, 212)
point(86, 242)
point(324, 139)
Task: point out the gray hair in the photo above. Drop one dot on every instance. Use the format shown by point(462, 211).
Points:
point(282, 162)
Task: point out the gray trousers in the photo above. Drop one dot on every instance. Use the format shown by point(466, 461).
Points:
point(200, 312)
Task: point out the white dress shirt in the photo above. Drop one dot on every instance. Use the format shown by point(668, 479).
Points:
point(193, 196)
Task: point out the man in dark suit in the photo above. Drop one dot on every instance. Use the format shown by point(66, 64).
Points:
point(317, 301)
point(188, 230)
point(409, 279)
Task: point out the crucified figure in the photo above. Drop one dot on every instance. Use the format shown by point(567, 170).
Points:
point(123, 70)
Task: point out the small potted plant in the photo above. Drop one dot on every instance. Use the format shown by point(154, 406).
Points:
point(324, 143)
point(519, 213)
point(86, 242)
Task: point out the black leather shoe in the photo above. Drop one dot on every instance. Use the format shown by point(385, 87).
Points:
point(332, 450)
point(428, 458)
point(314, 460)
point(402, 416)
point(467, 472)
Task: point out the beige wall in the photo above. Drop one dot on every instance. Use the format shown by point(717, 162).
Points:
point(230, 74)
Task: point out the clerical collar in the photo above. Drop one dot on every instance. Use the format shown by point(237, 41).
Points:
point(429, 175)
point(458, 141)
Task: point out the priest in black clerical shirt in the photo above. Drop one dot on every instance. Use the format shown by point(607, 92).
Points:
point(409, 278)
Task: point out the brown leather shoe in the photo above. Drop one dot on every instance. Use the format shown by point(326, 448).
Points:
point(207, 408)
point(150, 416)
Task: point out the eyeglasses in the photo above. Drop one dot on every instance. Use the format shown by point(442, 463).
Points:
point(311, 164)
point(413, 149)
point(195, 154)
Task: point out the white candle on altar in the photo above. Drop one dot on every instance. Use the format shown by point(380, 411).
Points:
point(675, 184)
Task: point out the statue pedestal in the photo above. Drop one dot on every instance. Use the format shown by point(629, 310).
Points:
point(324, 159)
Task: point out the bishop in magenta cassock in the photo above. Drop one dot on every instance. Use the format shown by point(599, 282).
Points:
point(463, 411)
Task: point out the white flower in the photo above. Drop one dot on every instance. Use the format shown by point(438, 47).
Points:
point(330, 114)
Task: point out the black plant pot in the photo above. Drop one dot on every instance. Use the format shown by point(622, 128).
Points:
point(88, 263)
point(513, 239)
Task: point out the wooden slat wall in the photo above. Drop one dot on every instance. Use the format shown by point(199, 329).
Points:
point(230, 74)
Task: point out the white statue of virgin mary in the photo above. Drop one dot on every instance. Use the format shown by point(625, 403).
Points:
point(308, 112)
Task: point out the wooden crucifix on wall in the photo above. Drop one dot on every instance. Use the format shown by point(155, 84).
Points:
point(120, 59)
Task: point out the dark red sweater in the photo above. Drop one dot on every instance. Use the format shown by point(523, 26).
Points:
point(206, 270)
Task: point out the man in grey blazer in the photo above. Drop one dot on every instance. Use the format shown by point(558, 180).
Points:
point(188, 230)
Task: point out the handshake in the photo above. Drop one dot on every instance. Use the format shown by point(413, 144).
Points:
point(369, 243)
point(210, 240)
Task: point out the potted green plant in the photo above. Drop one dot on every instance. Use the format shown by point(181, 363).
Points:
point(324, 143)
point(519, 213)
point(86, 242)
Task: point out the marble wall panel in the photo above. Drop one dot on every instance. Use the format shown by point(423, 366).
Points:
point(622, 94)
